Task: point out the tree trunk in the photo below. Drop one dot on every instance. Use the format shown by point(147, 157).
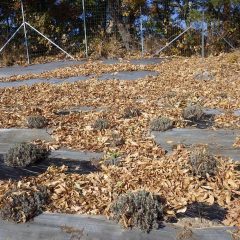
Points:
point(123, 29)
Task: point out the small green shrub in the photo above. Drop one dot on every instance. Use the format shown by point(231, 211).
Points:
point(130, 112)
point(113, 159)
point(193, 113)
point(22, 205)
point(36, 122)
point(138, 209)
point(24, 154)
point(101, 124)
point(161, 124)
point(203, 164)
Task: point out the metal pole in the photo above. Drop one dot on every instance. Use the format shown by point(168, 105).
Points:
point(168, 44)
point(25, 32)
point(226, 41)
point(49, 40)
point(141, 29)
point(85, 28)
point(1, 49)
point(203, 37)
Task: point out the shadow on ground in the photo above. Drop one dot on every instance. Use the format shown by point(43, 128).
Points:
point(204, 211)
point(74, 166)
point(204, 123)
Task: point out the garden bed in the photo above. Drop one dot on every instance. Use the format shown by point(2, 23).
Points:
point(137, 161)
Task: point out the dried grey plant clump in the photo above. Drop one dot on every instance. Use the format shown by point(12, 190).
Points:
point(203, 164)
point(139, 209)
point(116, 140)
point(36, 122)
point(161, 124)
point(24, 154)
point(101, 124)
point(204, 76)
point(193, 113)
point(21, 205)
point(130, 112)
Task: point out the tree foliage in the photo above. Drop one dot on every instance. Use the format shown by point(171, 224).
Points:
point(62, 20)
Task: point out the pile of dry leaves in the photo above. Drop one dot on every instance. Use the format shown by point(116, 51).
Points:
point(171, 177)
point(89, 68)
point(144, 165)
